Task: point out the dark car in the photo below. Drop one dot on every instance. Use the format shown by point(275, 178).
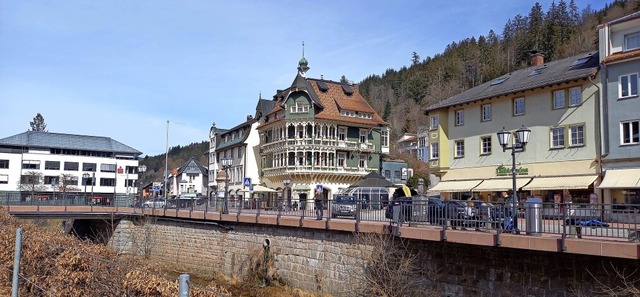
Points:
point(343, 206)
point(418, 208)
point(456, 212)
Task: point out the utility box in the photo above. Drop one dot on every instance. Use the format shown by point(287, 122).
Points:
point(533, 216)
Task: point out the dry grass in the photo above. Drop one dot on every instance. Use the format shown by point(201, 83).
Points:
point(54, 264)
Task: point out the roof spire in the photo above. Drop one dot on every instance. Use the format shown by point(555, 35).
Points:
point(303, 64)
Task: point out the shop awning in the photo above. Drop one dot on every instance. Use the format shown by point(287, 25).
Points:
point(456, 185)
point(500, 184)
point(621, 179)
point(561, 182)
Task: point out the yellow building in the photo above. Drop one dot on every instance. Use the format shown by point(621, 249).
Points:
point(557, 101)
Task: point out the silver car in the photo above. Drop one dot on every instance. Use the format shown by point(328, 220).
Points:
point(344, 206)
point(154, 203)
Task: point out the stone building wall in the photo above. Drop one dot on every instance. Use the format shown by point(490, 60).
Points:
point(327, 261)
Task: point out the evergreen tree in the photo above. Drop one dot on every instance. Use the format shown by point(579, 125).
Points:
point(344, 80)
point(387, 111)
point(415, 59)
point(38, 124)
point(536, 27)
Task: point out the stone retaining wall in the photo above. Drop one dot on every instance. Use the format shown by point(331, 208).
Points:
point(322, 260)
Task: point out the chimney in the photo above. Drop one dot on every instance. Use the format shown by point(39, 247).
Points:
point(537, 58)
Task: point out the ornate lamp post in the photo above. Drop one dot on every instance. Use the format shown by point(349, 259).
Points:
point(141, 170)
point(85, 177)
point(93, 182)
point(226, 164)
point(521, 140)
point(285, 196)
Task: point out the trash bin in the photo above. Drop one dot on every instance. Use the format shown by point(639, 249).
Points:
point(533, 216)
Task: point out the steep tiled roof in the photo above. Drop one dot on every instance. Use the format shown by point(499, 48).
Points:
point(263, 107)
point(184, 166)
point(521, 80)
point(334, 99)
point(235, 142)
point(330, 100)
point(67, 141)
point(620, 56)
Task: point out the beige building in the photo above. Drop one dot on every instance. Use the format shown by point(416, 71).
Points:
point(557, 101)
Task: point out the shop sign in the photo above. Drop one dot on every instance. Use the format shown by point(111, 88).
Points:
point(502, 171)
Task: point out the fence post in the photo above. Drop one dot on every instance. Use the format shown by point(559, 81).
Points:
point(184, 285)
point(564, 227)
point(16, 263)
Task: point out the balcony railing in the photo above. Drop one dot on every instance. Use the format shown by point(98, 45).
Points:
point(319, 143)
point(315, 169)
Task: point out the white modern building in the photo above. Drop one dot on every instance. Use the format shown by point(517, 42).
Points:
point(46, 165)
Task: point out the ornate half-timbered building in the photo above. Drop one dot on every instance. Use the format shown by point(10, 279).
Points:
point(320, 133)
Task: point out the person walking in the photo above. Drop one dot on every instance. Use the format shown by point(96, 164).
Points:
point(319, 199)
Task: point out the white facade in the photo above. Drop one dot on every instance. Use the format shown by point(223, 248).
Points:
point(60, 169)
point(241, 146)
point(191, 178)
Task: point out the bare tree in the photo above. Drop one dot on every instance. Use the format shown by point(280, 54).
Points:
point(390, 269)
point(68, 183)
point(31, 182)
point(38, 124)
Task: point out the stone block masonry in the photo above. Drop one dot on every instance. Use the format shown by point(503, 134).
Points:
point(310, 260)
point(327, 261)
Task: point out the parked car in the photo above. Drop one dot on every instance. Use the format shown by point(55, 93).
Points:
point(344, 206)
point(456, 213)
point(154, 203)
point(418, 208)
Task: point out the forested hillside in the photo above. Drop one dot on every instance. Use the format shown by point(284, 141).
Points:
point(178, 156)
point(564, 30)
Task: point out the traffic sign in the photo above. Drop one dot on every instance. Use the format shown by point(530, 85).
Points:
point(251, 188)
point(155, 188)
point(247, 182)
point(319, 188)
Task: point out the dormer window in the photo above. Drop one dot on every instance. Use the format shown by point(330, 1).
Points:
point(347, 90)
point(632, 41)
point(356, 114)
point(299, 108)
point(537, 71)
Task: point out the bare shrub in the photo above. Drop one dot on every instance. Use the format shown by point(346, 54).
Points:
point(619, 282)
point(389, 268)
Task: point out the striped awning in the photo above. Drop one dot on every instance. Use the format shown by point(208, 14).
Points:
point(621, 179)
point(500, 184)
point(456, 185)
point(571, 182)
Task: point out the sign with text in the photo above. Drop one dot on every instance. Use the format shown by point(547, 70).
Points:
point(502, 171)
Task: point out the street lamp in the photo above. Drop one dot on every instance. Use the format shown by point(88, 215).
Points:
point(226, 164)
point(141, 170)
point(285, 196)
point(93, 182)
point(85, 176)
point(521, 139)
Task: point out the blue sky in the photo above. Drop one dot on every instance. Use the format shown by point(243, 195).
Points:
point(121, 69)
